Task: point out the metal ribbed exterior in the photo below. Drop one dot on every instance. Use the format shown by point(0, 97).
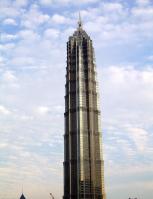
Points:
point(83, 163)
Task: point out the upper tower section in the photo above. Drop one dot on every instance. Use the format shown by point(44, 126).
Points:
point(80, 34)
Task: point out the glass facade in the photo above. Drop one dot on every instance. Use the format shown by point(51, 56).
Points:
point(83, 163)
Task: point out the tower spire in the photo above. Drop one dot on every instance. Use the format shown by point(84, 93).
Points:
point(80, 21)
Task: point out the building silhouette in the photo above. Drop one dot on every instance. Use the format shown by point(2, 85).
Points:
point(83, 162)
point(22, 196)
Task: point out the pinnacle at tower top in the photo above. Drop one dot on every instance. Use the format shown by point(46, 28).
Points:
point(83, 162)
point(79, 21)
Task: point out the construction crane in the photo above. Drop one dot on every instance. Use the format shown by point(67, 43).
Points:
point(51, 195)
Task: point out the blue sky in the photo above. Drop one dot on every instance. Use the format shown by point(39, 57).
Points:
point(32, 78)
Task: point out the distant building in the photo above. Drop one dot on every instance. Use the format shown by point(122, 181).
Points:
point(83, 161)
point(22, 196)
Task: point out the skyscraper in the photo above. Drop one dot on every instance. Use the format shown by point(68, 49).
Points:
point(83, 163)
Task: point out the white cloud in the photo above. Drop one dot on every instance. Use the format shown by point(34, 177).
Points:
point(43, 110)
point(51, 33)
point(143, 13)
point(143, 2)
point(9, 76)
point(20, 3)
point(63, 2)
point(3, 145)
point(132, 90)
point(28, 35)
point(25, 62)
point(46, 2)
point(10, 21)
point(59, 19)
point(8, 37)
point(127, 106)
point(128, 169)
point(140, 138)
point(7, 9)
point(7, 47)
point(117, 7)
point(34, 17)
point(4, 110)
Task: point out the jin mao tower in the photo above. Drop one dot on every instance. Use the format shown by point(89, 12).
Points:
point(83, 162)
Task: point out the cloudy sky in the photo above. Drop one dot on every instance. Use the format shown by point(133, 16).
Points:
point(32, 77)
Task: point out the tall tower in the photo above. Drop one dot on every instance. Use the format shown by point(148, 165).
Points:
point(83, 163)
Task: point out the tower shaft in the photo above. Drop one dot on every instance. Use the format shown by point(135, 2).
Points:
point(83, 163)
